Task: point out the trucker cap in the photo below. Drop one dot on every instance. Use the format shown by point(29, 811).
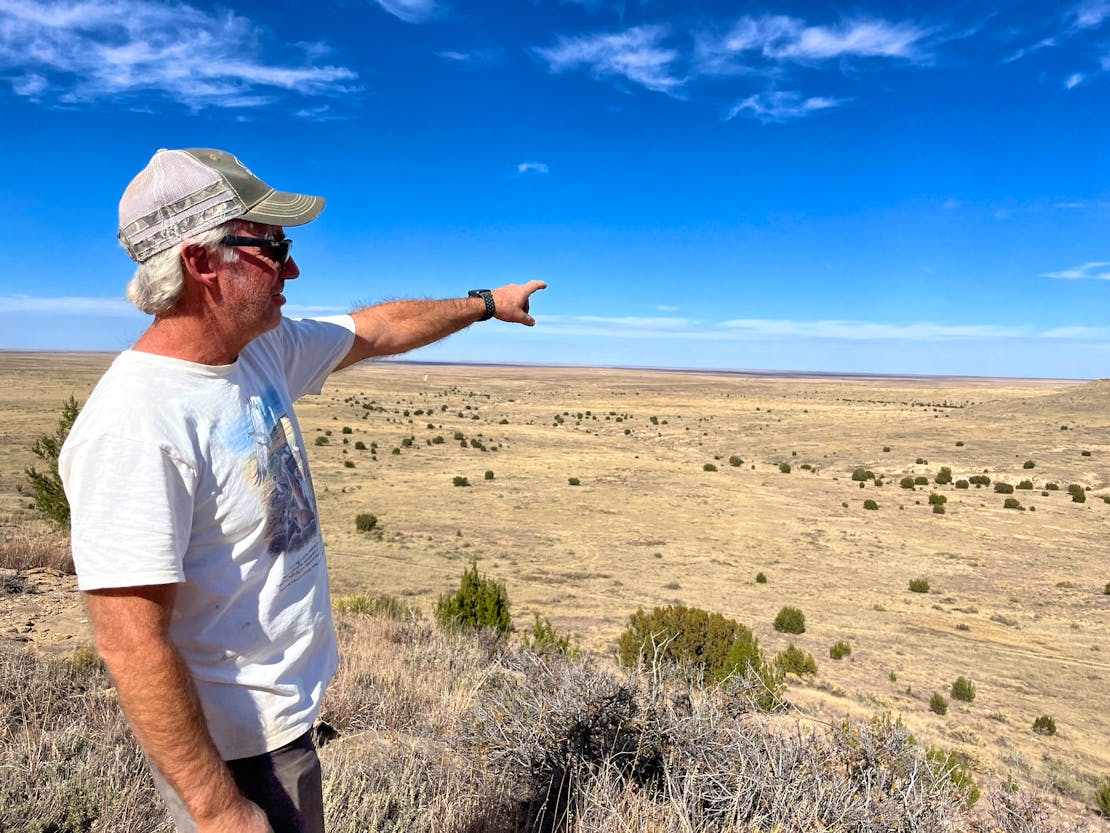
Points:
point(183, 192)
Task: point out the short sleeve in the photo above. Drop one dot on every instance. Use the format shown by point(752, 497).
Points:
point(312, 348)
point(131, 512)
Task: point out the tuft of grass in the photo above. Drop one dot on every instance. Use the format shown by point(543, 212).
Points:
point(459, 480)
point(919, 585)
point(840, 650)
point(365, 521)
point(24, 546)
point(383, 605)
point(761, 578)
point(1044, 725)
point(1102, 798)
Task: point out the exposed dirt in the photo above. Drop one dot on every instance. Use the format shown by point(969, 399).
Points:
point(42, 609)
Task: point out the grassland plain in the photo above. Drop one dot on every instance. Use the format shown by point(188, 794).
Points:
point(1016, 601)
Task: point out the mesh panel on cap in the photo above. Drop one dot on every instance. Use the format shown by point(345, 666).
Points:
point(174, 197)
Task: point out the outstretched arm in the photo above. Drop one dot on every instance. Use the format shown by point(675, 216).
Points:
point(159, 697)
point(399, 326)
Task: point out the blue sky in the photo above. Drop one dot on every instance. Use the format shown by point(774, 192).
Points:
point(889, 187)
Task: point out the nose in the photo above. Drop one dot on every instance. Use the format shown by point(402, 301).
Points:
point(290, 270)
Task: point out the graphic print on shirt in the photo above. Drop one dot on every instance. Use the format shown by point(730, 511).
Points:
point(280, 475)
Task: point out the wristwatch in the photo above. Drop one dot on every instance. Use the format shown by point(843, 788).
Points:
point(487, 297)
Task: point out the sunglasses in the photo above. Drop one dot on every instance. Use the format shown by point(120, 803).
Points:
point(276, 250)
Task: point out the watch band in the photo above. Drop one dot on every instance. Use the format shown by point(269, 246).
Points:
point(486, 297)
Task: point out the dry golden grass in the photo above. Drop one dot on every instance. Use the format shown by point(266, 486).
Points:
point(648, 526)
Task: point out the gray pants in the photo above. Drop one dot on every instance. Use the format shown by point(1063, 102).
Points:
point(285, 783)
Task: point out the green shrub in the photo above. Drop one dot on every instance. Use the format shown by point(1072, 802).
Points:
point(906, 483)
point(459, 480)
point(870, 504)
point(1011, 503)
point(1052, 487)
point(794, 660)
point(459, 435)
point(1028, 464)
point(980, 480)
point(861, 474)
point(790, 620)
point(46, 486)
point(958, 774)
point(489, 474)
point(784, 468)
point(959, 443)
point(437, 440)
point(1024, 484)
point(681, 635)
point(760, 578)
point(709, 467)
point(544, 639)
point(1044, 725)
point(321, 440)
point(919, 585)
point(1106, 589)
point(938, 704)
point(479, 603)
point(920, 461)
point(347, 430)
point(963, 689)
point(1003, 488)
point(735, 461)
point(961, 484)
point(364, 521)
point(840, 650)
point(921, 480)
point(574, 481)
point(348, 464)
point(944, 477)
point(360, 445)
point(364, 604)
point(1102, 798)
point(938, 508)
point(937, 499)
point(1085, 453)
point(1078, 494)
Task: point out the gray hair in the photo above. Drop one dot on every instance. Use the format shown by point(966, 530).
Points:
point(157, 283)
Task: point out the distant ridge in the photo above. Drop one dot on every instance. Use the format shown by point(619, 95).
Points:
point(777, 374)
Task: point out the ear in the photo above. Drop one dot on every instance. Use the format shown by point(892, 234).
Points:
point(199, 264)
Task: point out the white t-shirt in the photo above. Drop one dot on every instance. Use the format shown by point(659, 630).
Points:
point(194, 474)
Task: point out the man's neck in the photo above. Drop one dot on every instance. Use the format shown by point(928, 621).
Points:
point(190, 339)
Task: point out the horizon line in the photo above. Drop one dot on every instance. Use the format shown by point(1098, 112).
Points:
point(752, 372)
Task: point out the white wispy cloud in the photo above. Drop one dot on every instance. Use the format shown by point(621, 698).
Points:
point(666, 308)
point(781, 106)
point(1094, 270)
point(410, 11)
point(1074, 80)
point(635, 55)
point(755, 43)
point(1091, 14)
point(753, 329)
point(532, 168)
point(69, 305)
point(473, 57)
point(75, 52)
point(872, 331)
point(1045, 43)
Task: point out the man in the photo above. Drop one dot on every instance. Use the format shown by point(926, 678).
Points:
point(195, 531)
